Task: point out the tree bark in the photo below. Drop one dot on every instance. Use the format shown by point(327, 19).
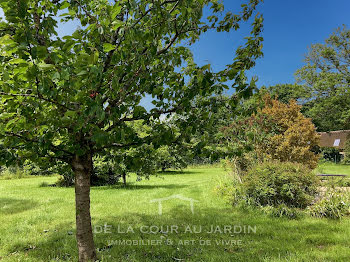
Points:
point(124, 178)
point(82, 167)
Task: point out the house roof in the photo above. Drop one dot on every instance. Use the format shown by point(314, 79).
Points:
point(335, 139)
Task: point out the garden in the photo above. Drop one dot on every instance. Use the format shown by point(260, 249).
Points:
point(121, 141)
point(37, 223)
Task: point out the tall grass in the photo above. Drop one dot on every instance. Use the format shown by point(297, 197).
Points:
point(7, 173)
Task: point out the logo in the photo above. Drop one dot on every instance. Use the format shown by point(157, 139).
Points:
point(160, 200)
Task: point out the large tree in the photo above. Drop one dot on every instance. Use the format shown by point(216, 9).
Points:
point(323, 83)
point(278, 131)
point(326, 82)
point(68, 99)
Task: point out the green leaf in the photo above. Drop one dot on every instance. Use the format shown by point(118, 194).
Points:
point(108, 47)
point(6, 40)
point(70, 114)
point(139, 110)
point(17, 61)
point(116, 24)
point(44, 66)
point(116, 10)
point(56, 75)
point(81, 73)
point(93, 59)
point(64, 5)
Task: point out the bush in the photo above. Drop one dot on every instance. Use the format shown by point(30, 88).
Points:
point(335, 204)
point(66, 176)
point(171, 157)
point(32, 169)
point(277, 183)
point(240, 165)
point(229, 188)
point(65, 181)
point(276, 132)
point(331, 154)
point(105, 172)
point(295, 137)
point(283, 211)
point(13, 172)
point(346, 159)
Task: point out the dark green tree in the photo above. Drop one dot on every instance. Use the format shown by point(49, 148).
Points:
point(287, 92)
point(326, 82)
point(69, 99)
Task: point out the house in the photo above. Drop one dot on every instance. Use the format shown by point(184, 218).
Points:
point(336, 139)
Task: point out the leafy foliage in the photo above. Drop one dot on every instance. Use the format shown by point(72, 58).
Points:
point(13, 172)
point(294, 135)
point(277, 131)
point(287, 92)
point(335, 204)
point(105, 172)
point(347, 151)
point(283, 211)
point(96, 78)
point(331, 154)
point(172, 157)
point(276, 183)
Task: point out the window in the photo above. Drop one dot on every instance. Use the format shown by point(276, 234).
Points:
point(336, 142)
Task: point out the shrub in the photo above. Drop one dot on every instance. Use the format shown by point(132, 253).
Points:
point(295, 138)
point(335, 204)
point(331, 154)
point(283, 211)
point(239, 166)
point(229, 188)
point(171, 157)
point(106, 172)
point(66, 180)
point(346, 159)
point(277, 183)
point(12, 172)
point(278, 131)
point(32, 169)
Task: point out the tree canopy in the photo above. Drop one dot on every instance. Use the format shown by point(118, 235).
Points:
point(86, 87)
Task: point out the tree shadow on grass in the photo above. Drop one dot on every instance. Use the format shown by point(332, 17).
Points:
point(12, 205)
point(134, 186)
point(56, 244)
point(274, 239)
point(178, 172)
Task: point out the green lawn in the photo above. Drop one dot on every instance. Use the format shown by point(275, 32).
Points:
point(37, 224)
point(332, 168)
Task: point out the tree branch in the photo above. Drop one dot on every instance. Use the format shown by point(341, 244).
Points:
point(25, 138)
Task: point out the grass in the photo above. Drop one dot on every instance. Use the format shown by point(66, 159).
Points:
point(15, 173)
point(334, 169)
point(37, 224)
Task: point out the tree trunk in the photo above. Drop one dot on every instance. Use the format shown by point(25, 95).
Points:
point(82, 167)
point(124, 178)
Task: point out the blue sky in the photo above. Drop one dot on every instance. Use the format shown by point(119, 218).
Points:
point(290, 27)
